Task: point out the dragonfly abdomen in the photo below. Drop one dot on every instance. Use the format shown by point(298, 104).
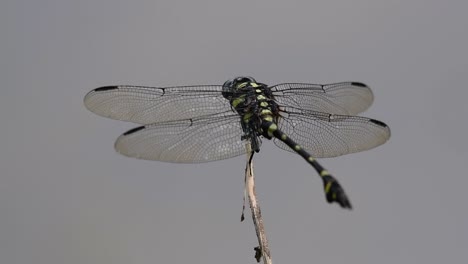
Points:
point(333, 191)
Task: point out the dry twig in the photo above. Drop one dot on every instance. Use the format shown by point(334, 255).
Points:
point(262, 251)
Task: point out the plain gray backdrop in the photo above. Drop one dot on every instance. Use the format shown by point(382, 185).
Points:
point(67, 197)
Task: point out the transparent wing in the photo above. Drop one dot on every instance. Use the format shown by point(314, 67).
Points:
point(345, 98)
point(147, 105)
point(185, 141)
point(326, 135)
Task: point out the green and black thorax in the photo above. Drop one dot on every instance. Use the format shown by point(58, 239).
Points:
point(255, 104)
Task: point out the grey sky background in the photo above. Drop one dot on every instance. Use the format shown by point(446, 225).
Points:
point(67, 197)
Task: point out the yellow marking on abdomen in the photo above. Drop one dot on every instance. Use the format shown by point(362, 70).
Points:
point(271, 129)
point(284, 137)
point(297, 148)
point(324, 173)
point(328, 186)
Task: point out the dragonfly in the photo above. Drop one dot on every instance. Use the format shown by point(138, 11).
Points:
point(202, 123)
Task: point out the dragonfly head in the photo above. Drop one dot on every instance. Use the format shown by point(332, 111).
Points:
point(232, 85)
point(238, 82)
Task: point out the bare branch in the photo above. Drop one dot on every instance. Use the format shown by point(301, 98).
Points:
point(262, 251)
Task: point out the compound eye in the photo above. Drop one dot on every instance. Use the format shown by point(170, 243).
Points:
point(252, 80)
point(241, 79)
point(244, 79)
point(228, 83)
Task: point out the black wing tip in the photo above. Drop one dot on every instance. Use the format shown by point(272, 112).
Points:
point(106, 88)
point(359, 84)
point(377, 122)
point(133, 130)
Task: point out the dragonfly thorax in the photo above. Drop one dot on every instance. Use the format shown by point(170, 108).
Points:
point(254, 102)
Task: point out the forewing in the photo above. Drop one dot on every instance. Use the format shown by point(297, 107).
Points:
point(345, 98)
point(185, 141)
point(325, 135)
point(147, 105)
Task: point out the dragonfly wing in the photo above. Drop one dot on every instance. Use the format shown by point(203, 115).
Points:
point(325, 135)
point(185, 141)
point(345, 98)
point(147, 105)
